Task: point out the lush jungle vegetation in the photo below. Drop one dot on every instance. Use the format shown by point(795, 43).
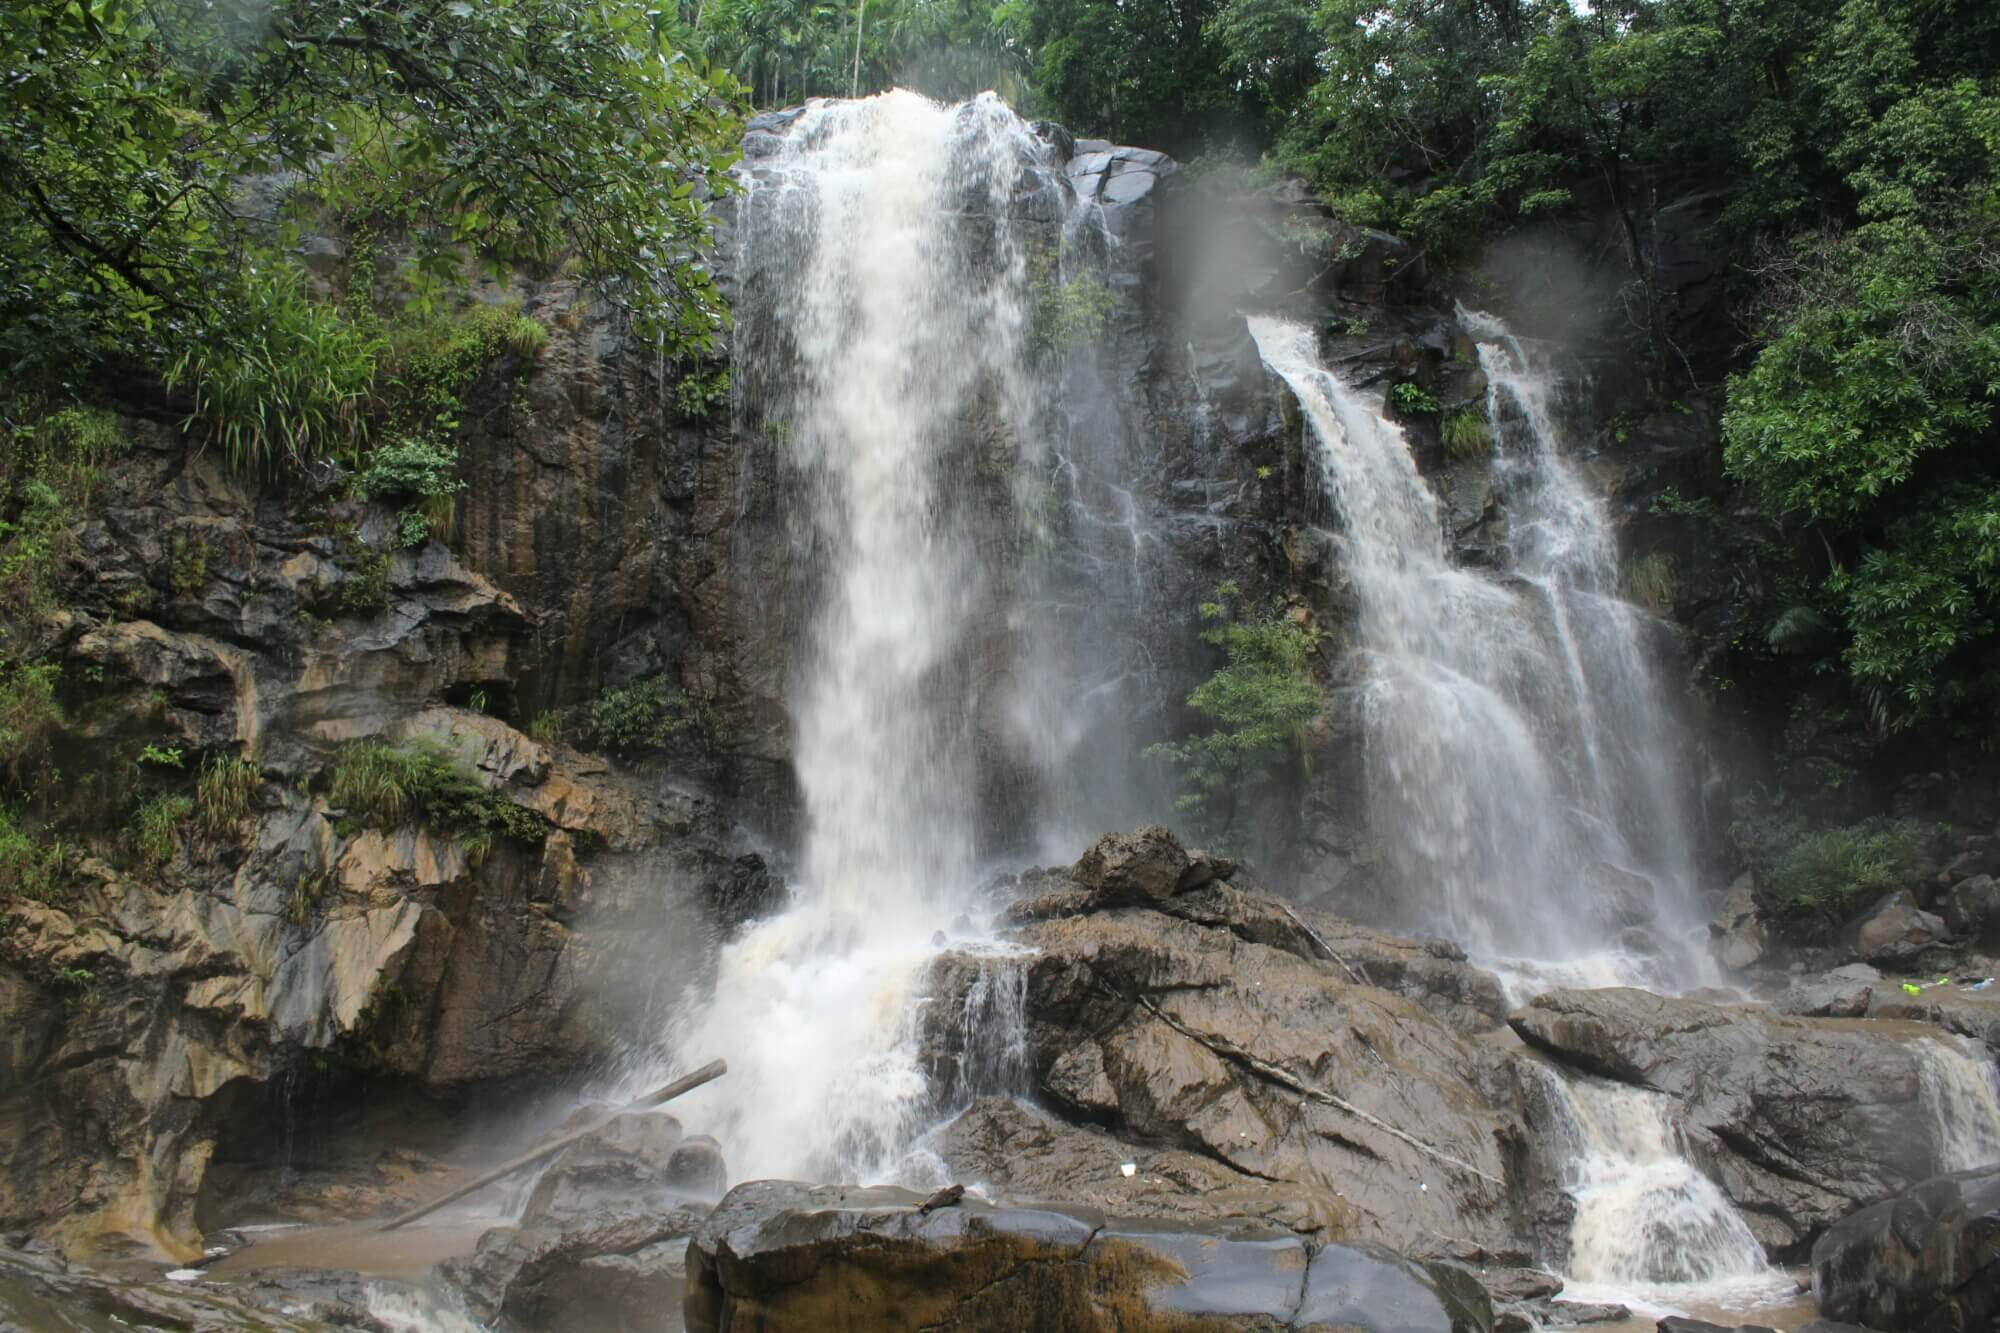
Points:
point(164, 158)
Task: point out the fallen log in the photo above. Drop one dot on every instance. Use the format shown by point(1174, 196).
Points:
point(708, 1073)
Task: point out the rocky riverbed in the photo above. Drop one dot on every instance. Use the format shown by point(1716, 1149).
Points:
point(1201, 1107)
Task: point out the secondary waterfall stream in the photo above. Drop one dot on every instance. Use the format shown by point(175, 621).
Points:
point(1520, 759)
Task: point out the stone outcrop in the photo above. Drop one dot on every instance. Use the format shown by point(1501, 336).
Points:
point(601, 1242)
point(1799, 1120)
point(1926, 1260)
point(1169, 1007)
point(779, 1256)
point(1897, 932)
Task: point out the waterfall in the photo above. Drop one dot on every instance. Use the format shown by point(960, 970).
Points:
point(1961, 1093)
point(1519, 755)
point(1647, 1222)
point(882, 315)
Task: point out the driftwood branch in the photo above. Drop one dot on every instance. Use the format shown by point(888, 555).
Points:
point(706, 1074)
point(1359, 978)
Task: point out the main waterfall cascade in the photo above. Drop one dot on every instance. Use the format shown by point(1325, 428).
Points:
point(1520, 760)
point(882, 346)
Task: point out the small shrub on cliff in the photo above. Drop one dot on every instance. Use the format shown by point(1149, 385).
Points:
point(29, 867)
point(419, 468)
point(399, 783)
point(224, 791)
point(282, 378)
point(1465, 435)
point(1649, 581)
point(29, 719)
point(431, 361)
point(1413, 400)
point(156, 829)
point(1260, 700)
point(1816, 878)
point(637, 716)
point(423, 782)
point(1062, 312)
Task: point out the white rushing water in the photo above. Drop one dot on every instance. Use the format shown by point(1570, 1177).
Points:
point(885, 306)
point(1649, 1226)
point(1960, 1091)
point(1520, 758)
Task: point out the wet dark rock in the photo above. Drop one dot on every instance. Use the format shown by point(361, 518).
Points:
point(778, 1256)
point(1897, 932)
point(1798, 1120)
point(40, 1293)
point(641, 1155)
point(1972, 909)
point(1925, 1261)
point(606, 1267)
point(746, 891)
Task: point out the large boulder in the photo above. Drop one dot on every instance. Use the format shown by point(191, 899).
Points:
point(1798, 1120)
point(602, 1240)
point(777, 1256)
point(1925, 1261)
point(1973, 909)
point(1224, 1024)
point(1845, 992)
point(1897, 932)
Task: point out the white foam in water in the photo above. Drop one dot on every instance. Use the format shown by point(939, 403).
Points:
point(1650, 1230)
point(410, 1310)
point(1520, 758)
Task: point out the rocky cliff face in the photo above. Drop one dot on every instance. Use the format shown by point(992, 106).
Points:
point(161, 1015)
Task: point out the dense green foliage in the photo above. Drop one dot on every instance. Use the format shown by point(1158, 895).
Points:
point(423, 782)
point(511, 133)
point(1258, 703)
point(1815, 879)
point(638, 715)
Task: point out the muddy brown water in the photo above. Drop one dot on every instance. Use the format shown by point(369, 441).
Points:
point(406, 1255)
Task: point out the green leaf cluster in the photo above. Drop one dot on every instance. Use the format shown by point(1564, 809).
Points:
point(639, 715)
point(1258, 703)
point(163, 155)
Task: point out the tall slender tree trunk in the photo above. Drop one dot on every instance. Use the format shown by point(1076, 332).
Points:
point(860, 24)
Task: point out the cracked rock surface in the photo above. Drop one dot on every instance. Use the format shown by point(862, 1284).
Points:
point(1167, 1007)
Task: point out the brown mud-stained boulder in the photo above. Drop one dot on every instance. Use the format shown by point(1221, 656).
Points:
point(777, 1256)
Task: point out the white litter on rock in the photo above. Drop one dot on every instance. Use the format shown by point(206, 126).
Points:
point(1129, 1169)
point(184, 1275)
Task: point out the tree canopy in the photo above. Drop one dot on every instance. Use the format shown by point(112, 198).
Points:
point(161, 154)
